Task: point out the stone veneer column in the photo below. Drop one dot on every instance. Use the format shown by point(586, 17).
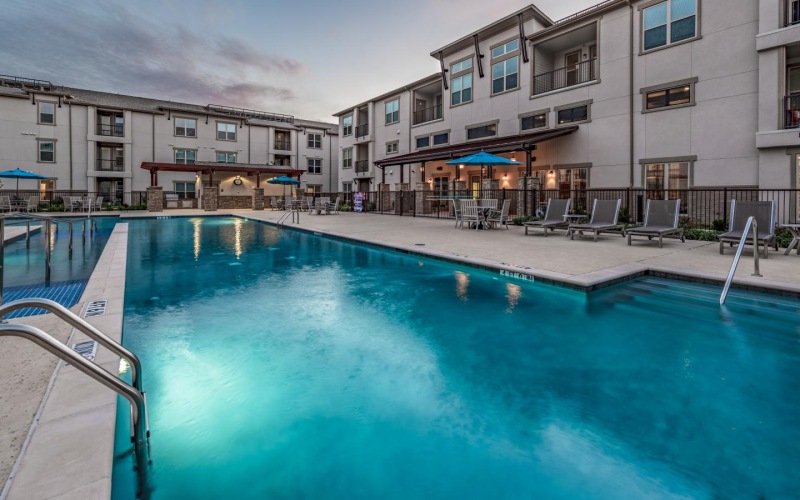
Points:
point(526, 201)
point(385, 200)
point(490, 184)
point(258, 198)
point(155, 199)
point(210, 199)
point(458, 187)
point(423, 204)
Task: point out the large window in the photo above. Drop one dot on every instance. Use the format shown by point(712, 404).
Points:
point(226, 131)
point(185, 156)
point(482, 131)
point(668, 22)
point(315, 141)
point(505, 75)
point(184, 190)
point(47, 113)
point(347, 125)
point(674, 96)
point(391, 147)
point(47, 151)
point(574, 114)
point(666, 180)
point(313, 189)
point(347, 187)
point(424, 141)
point(314, 166)
point(538, 120)
point(186, 127)
point(223, 157)
point(461, 82)
point(347, 158)
point(393, 111)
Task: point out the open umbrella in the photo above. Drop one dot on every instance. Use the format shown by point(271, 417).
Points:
point(482, 159)
point(284, 180)
point(20, 174)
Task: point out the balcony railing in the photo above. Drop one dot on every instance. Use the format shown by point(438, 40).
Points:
point(574, 74)
point(362, 130)
point(109, 130)
point(428, 114)
point(791, 106)
point(283, 145)
point(792, 14)
point(362, 166)
point(110, 165)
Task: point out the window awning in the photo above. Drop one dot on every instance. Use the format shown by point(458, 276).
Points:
point(493, 145)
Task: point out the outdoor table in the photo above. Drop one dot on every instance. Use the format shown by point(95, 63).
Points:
point(484, 210)
point(19, 204)
point(795, 243)
point(574, 219)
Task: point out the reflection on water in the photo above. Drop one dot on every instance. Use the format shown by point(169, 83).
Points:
point(197, 223)
point(237, 238)
point(462, 285)
point(513, 293)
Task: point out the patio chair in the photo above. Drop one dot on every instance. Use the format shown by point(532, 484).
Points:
point(457, 211)
point(32, 205)
point(553, 217)
point(660, 219)
point(333, 208)
point(470, 213)
point(765, 215)
point(499, 218)
point(604, 218)
point(98, 203)
point(5, 203)
point(72, 203)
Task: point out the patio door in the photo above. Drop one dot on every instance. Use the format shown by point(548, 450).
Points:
point(441, 186)
point(475, 182)
point(571, 62)
point(110, 190)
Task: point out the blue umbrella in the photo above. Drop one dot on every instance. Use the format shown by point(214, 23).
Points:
point(20, 174)
point(284, 180)
point(482, 159)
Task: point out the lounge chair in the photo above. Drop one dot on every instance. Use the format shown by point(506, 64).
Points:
point(660, 219)
point(765, 215)
point(553, 217)
point(5, 203)
point(500, 218)
point(604, 218)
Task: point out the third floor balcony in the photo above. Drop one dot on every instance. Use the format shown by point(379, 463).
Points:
point(113, 165)
point(565, 60)
point(283, 145)
point(362, 130)
point(362, 166)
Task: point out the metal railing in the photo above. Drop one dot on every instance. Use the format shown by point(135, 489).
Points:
point(428, 114)
point(18, 81)
point(575, 74)
point(283, 145)
point(362, 130)
point(106, 129)
point(750, 226)
point(362, 166)
point(59, 200)
point(109, 165)
point(791, 107)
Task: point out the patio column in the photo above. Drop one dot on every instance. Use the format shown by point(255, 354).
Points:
point(155, 199)
point(258, 198)
point(210, 199)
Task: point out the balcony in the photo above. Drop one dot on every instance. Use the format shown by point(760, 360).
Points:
point(562, 78)
point(428, 114)
point(109, 130)
point(283, 145)
point(362, 131)
point(110, 165)
point(362, 166)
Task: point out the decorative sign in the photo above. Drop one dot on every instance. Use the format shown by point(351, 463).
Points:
point(95, 308)
point(358, 202)
point(519, 276)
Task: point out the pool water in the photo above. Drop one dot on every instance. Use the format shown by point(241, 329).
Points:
point(285, 365)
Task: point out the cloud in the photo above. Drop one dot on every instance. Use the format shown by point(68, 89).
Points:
point(111, 47)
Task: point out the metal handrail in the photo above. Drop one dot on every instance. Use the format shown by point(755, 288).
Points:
point(751, 225)
point(81, 324)
point(139, 431)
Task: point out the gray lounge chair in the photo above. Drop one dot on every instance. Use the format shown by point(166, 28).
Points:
point(765, 215)
point(553, 217)
point(604, 219)
point(660, 219)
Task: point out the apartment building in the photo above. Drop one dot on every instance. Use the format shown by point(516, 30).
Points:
point(657, 94)
point(112, 144)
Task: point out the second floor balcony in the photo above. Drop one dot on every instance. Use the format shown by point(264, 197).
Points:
point(567, 76)
point(362, 166)
point(362, 130)
point(115, 165)
point(283, 145)
point(111, 129)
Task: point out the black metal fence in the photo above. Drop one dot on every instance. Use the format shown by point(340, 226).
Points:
point(65, 200)
point(699, 207)
point(574, 74)
point(428, 114)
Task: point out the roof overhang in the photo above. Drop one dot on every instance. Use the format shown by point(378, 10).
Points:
point(239, 168)
point(496, 145)
point(411, 86)
point(579, 16)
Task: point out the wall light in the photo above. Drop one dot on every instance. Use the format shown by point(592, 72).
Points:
point(461, 166)
point(505, 176)
point(551, 173)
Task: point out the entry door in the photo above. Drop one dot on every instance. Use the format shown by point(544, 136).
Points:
point(475, 180)
point(110, 190)
point(441, 185)
point(571, 62)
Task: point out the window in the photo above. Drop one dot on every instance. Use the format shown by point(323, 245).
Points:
point(441, 138)
point(314, 166)
point(423, 142)
point(668, 22)
point(186, 127)
point(665, 180)
point(347, 158)
point(504, 49)
point(505, 75)
point(573, 115)
point(315, 141)
point(674, 96)
point(283, 160)
point(347, 125)
point(47, 113)
point(393, 111)
point(226, 131)
point(538, 120)
point(347, 187)
point(461, 82)
point(313, 189)
point(184, 190)
point(47, 151)
point(185, 156)
point(223, 157)
point(482, 131)
point(391, 147)
point(792, 12)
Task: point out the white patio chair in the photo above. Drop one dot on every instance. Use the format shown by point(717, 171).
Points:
point(32, 205)
point(500, 218)
point(457, 211)
point(5, 203)
point(471, 213)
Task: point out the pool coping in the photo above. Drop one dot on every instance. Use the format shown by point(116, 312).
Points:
point(589, 282)
point(69, 449)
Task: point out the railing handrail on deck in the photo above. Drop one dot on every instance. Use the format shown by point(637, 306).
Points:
point(750, 225)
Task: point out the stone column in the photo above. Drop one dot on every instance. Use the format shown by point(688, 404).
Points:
point(490, 184)
point(459, 187)
point(210, 199)
point(155, 199)
point(258, 198)
point(423, 204)
point(385, 197)
point(528, 202)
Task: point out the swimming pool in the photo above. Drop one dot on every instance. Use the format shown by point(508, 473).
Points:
point(280, 364)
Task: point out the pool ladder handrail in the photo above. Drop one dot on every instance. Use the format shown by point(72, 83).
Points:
point(750, 226)
point(292, 211)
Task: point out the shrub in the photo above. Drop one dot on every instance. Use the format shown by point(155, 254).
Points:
point(518, 221)
point(344, 207)
point(718, 225)
point(698, 234)
point(784, 237)
point(623, 217)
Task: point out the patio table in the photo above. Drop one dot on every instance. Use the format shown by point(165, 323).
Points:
point(574, 219)
point(795, 243)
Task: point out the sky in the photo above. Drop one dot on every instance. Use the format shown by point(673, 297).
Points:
point(307, 58)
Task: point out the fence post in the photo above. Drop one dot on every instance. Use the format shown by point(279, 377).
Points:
point(401, 202)
point(524, 198)
point(415, 202)
point(725, 207)
point(628, 207)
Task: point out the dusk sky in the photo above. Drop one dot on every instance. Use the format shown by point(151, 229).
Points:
point(306, 58)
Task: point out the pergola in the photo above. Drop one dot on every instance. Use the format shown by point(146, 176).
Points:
point(202, 168)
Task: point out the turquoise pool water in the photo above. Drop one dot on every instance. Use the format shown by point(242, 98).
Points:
point(283, 365)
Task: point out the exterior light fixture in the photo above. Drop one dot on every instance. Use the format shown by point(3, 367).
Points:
point(461, 166)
